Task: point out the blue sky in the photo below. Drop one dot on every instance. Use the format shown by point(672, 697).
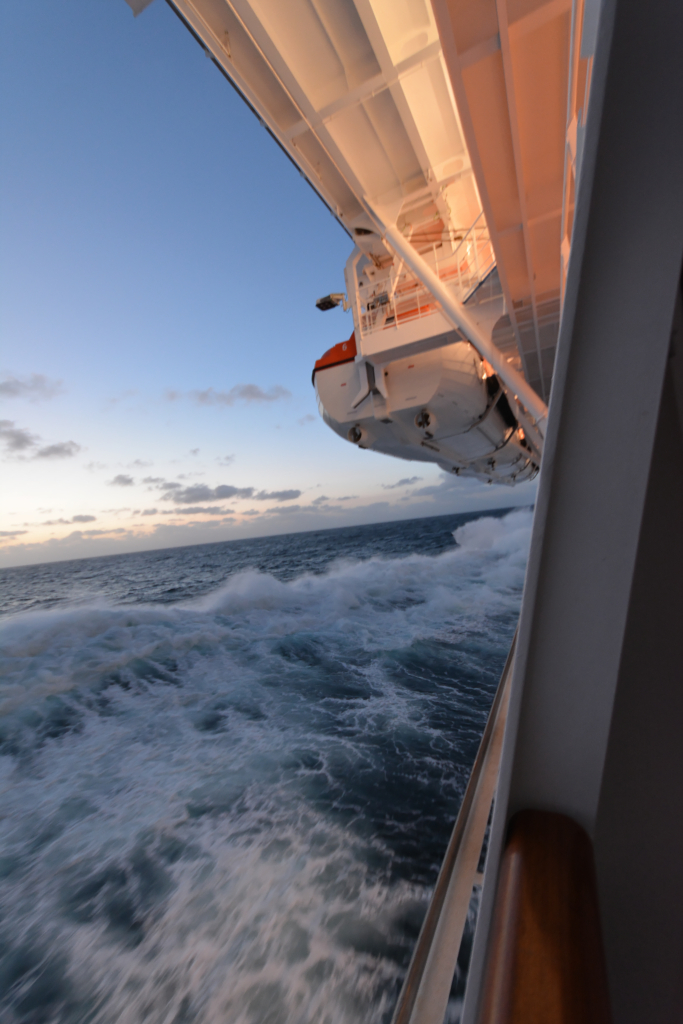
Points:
point(160, 259)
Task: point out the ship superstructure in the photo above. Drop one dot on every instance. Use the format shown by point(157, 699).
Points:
point(445, 138)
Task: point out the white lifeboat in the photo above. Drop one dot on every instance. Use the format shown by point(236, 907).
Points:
point(445, 405)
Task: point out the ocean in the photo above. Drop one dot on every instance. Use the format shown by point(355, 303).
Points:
point(230, 771)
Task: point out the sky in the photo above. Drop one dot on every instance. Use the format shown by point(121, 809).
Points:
point(160, 259)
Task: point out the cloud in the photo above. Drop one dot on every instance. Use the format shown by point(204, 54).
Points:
point(149, 512)
point(225, 460)
point(62, 450)
point(79, 534)
point(195, 493)
point(198, 510)
point(139, 464)
point(288, 510)
point(469, 495)
point(34, 388)
point(312, 509)
point(68, 522)
point(201, 492)
point(212, 524)
point(12, 533)
point(122, 480)
point(447, 482)
point(320, 500)
point(277, 495)
point(16, 439)
point(405, 482)
point(194, 451)
point(240, 393)
point(308, 418)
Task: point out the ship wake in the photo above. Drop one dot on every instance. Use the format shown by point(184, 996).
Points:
point(234, 808)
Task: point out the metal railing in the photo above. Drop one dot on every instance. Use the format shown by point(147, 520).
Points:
point(401, 297)
point(425, 992)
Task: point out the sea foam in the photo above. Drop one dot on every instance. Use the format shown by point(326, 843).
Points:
point(233, 808)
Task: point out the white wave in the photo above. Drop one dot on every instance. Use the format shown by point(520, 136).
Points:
point(262, 929)
point(380, 599)
point(211, 729)
point(506, 535)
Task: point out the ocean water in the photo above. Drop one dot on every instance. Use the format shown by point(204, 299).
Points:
point(229, 772)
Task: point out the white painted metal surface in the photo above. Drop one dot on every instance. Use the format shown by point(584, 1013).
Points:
point(441, 405)
point(574, 630)
point(359, 95)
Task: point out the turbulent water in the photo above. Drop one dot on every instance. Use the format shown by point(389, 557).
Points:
point(230, 771)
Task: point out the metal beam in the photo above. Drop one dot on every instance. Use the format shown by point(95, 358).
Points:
point(461, 319)
point(369, 89)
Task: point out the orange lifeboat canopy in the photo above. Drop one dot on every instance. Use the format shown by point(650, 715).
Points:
point(344, 352)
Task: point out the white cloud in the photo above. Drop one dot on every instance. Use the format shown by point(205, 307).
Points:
point(239, 393)
point(195, 493)
point(16, 439)
point(196, 510)
point(68, 522)
point(405, 482)
point(35, 388)
point(62, 450)
point(19, 439)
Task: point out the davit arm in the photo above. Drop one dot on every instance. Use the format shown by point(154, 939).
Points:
point(460, 318)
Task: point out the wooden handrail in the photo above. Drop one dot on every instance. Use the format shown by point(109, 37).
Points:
point(546, 963)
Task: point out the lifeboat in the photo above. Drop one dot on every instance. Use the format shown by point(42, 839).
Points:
point(445, 406)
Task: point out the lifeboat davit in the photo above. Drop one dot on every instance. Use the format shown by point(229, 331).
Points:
point(445, 405)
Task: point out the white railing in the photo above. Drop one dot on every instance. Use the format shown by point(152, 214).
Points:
point(424, 996)
point(401, 297)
